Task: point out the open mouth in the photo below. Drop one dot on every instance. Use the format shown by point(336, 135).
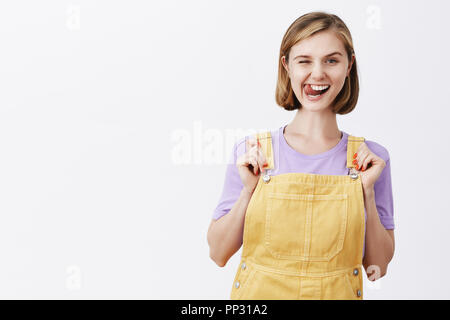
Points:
point(314, 91)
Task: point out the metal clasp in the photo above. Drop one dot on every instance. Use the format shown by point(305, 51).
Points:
point(266, 176)
point(353, 173)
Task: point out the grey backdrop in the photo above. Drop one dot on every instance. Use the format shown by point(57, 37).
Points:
point(117, 119)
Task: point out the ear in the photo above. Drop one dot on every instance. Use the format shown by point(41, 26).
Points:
point(350, 65)
point(283, 61)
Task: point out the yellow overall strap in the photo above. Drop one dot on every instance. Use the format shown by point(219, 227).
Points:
point(353, 144)
point(265, 139)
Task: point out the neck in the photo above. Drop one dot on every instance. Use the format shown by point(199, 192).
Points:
point(315, 125)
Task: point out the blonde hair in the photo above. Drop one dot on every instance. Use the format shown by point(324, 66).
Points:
point(302, 28)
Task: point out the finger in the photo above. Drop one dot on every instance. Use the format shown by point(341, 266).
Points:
point(259, 144)
point(242, 160)
point(250, 162)
point(366, 162)
point(357, 160)
point(254, 164)
point(253, 151)
point(362, 159)
point(251, 142)
point(362, 147)
point(259, 156)
point(262, 160)
point(245, 160)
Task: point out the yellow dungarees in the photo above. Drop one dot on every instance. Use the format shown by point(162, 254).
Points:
point(303, 234)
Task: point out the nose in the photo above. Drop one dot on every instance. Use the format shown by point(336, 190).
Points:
point(317, 72)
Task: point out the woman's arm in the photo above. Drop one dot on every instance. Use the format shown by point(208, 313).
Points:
point(380, 242)
point(225, 234)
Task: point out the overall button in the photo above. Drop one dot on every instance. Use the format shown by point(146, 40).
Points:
point(243, 266)
point(358, 293)
point(266, 178)
point(237, 284)
point(354, 176)
point(355, 272)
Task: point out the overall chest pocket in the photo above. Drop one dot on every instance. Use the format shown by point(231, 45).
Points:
point(305, 226)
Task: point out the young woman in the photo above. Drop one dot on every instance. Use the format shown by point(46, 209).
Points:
point(311, 204)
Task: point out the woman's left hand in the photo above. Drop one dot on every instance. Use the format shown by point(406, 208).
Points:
point(370, 166)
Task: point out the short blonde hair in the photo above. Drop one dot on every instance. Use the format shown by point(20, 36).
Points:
point(302, 28)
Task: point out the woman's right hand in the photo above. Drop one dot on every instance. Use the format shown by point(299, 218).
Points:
point(251, 164)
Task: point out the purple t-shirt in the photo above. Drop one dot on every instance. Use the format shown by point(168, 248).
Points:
point(331, 162)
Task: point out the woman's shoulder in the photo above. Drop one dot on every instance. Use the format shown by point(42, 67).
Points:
point(240, 144)
point(378, 149)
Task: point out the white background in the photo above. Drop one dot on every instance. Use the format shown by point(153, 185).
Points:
point(98, 100)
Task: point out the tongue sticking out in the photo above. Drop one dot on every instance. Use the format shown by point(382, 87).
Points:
point(313, 92)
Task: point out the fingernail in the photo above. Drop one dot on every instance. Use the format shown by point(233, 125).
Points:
point(265, 165)
point(363, 169)
point(357, 167)
point(355, 161)
point(355, 155)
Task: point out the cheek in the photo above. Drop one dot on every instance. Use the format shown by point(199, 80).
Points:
point(296, 84)
point(338, 75)
point(297, 78)
point(338, 79)
point(338, 83)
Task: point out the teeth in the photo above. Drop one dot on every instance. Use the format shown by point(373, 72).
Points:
point(319, 88)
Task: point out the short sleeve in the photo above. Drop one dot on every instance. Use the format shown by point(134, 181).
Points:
point(232, 185)
point(383, 194)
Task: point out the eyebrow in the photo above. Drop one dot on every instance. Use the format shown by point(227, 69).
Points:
point(328, 55)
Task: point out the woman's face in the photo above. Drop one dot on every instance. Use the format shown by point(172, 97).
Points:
point(318, 60)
